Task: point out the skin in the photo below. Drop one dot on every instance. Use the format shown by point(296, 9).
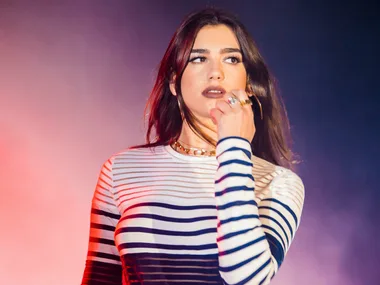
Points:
point(214, 63)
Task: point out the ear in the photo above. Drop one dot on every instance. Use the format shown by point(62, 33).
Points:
point(172, 85)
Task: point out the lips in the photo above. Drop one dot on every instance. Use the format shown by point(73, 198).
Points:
point(214, 92)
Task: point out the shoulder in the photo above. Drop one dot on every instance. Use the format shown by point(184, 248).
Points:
point(134, 154)
point(287, 181)
point(277, 179)
point(278, 187)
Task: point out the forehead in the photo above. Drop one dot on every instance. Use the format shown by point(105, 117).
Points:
point(219, 36)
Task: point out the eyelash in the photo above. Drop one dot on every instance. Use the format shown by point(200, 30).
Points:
point(237, 60)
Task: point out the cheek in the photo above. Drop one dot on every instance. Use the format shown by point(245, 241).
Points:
point(190, 84)
point(235, 76)
point(240, 78)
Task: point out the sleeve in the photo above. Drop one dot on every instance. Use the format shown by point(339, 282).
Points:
point(103, 265)
point(252, 240)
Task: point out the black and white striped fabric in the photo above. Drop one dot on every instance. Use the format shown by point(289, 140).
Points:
point(161, 217)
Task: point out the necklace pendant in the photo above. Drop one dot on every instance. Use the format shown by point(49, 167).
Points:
point(198, 152)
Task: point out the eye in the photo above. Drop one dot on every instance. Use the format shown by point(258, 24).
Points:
point(233, 59)
point(198, 59)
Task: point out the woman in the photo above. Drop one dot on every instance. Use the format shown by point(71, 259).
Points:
point(211, 200)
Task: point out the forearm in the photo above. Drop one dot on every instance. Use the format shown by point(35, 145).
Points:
point(244, 252)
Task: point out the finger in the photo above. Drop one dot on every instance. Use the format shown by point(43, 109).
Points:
point(240, 94)
point(233, 102)
point(215, 115)
point(223, 106)
point(243, 97)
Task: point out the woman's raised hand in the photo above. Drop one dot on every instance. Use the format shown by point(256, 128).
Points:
point(233, 118)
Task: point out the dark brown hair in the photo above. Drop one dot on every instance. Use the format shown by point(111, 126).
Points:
point(272, 137)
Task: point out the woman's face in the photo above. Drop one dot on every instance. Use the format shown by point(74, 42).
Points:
point(215, 62)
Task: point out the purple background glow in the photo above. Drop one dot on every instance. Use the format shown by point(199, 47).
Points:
point(74, 79)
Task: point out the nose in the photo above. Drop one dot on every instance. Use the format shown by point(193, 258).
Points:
point(216, 72)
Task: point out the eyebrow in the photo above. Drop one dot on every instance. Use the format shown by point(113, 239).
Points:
point(222, 51)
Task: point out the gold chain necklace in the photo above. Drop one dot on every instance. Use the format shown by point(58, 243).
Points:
point(192, 150)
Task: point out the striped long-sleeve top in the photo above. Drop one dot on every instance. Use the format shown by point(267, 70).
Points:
point(162, 217)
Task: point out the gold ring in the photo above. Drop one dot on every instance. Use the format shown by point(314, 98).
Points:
point(245, 102)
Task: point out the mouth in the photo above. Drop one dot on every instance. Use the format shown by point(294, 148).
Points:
point(214, 92)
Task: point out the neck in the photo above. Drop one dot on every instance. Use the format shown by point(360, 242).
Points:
point(189, 139)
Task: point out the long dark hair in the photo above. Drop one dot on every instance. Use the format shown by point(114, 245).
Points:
point(272, 137)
